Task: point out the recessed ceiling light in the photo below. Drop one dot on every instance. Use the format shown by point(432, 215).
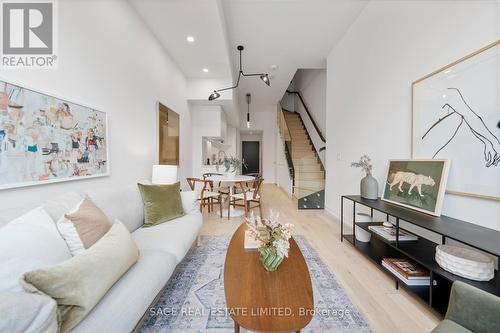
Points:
point(205, 70)
point(274, 67)
point(190, 39)
point(447, 71)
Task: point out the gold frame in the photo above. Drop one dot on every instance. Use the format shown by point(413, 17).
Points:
point(481, 50)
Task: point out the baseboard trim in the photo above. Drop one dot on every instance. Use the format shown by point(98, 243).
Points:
point(329, 211)
point(284, 191)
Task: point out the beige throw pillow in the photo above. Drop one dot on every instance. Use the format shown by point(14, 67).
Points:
point(79, 283)
point(90, 222)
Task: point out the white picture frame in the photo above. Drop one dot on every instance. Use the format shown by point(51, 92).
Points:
point(31, 110)
point(418, 184)
point(455, 111)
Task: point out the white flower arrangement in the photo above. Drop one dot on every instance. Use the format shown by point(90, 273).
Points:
point(271, 233)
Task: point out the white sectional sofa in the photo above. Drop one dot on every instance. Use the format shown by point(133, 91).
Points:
point(161, 247)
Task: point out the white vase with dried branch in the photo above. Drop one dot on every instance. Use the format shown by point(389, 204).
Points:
point(368, 185)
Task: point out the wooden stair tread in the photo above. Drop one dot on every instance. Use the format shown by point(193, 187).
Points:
point(309, 176)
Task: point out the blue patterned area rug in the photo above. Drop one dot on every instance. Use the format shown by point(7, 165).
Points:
point(194, 300)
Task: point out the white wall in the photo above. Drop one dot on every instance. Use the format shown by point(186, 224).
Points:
point(110, 61)
point(369, 76)
point(265, 120)
point(200, 89)
point(209, 121)
point(251, 137)
point(232, 140)
point(206, 122)
point(288, 100)
point(311, 83)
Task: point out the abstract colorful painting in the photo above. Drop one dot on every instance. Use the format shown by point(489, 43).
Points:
point(45, 139)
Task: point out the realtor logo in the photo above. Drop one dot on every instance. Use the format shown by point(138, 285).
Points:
point(28, 34)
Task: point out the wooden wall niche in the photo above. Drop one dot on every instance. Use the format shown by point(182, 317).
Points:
point(168, 135)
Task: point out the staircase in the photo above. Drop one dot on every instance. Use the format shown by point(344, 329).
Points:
point(309, 173)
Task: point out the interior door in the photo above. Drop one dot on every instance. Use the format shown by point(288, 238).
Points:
point(251, 157)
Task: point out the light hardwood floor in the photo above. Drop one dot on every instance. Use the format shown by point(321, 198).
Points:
point(387, 309)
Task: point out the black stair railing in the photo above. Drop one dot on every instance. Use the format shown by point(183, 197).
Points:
point(317, 151)
point(318, 130)
point(287, 143)
point(288, 155)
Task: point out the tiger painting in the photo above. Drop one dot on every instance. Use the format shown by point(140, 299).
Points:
point(413, 179)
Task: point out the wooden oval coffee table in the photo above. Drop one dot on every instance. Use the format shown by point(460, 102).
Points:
point(261, 301)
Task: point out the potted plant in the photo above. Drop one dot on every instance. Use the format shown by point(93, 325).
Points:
point(368, 185)
point(231, 164)
point(274, 238)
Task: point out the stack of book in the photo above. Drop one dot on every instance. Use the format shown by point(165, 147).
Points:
point(390, 233)
point(250, 243)
point(408, 272)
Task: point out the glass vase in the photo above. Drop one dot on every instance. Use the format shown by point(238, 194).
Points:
point(270, 258)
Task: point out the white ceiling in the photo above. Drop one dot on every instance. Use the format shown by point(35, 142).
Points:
point(288, 33)
point(291, 34)
point(171, 21)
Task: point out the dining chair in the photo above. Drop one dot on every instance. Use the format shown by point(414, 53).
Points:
point(249, 195)
point(219, 188)
point(206, 197)
point(255, 175)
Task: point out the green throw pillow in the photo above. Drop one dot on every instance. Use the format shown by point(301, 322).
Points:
point(161, 203)
point(79, 283)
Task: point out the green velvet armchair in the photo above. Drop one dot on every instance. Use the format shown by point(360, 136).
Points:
point(470, 310)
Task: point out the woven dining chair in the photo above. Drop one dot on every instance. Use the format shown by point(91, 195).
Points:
point(216, 187)
point(206, 197)
point(247, 197)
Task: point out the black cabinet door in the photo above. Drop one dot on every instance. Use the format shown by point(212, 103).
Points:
point(251, 157)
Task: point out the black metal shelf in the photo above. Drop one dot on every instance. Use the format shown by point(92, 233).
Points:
point(422, 251)
point(471, 234)
point(376, 251)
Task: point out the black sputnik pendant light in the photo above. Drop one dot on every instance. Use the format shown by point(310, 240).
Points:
point(263, 76)
point(249, 99)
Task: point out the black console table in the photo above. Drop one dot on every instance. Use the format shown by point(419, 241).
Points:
point(422, 251)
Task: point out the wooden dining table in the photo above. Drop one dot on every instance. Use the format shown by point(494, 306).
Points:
point(231, 181)
point(262, 301)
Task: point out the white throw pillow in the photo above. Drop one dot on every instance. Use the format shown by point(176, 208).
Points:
point(190, 203)
point(69, 233)
point(24, 312)
point(27, 243)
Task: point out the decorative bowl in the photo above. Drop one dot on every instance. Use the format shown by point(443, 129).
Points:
point(465, 262)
